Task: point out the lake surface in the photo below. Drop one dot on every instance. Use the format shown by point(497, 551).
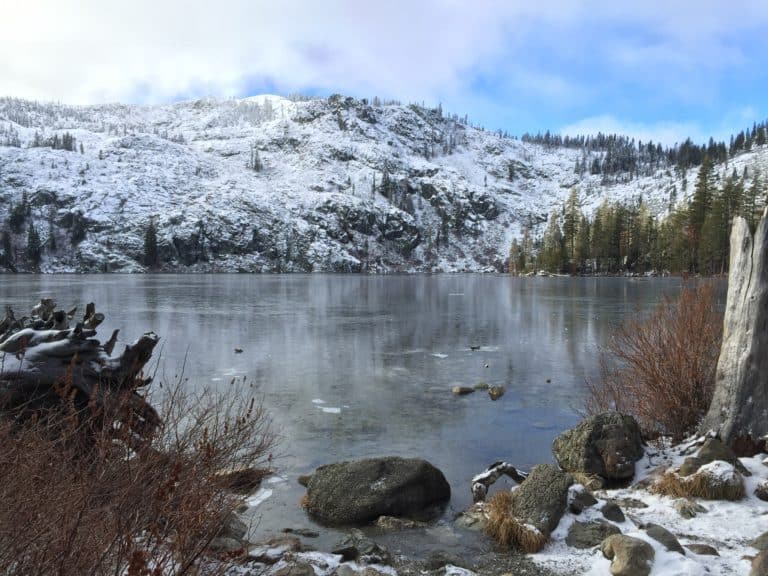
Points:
point(353, 366)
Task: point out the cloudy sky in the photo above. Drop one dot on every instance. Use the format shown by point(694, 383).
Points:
point(655, 69)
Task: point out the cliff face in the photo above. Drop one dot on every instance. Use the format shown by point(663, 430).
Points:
point(271, 184)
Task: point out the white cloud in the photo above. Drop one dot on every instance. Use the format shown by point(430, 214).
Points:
point(97, 50)
point(88, 51)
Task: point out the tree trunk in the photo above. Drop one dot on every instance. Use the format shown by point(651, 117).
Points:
point(739, 410)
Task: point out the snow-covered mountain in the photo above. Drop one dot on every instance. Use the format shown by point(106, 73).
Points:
point(274, 184)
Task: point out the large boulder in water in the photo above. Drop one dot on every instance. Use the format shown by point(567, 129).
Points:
point(606, 444)
point(360, 491)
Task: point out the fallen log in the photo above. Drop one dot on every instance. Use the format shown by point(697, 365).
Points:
point(45, 364)
point(486, 479)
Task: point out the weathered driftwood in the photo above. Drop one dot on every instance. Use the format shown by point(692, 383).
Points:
point(739, 407)
point(485, 480)
point(45, 364)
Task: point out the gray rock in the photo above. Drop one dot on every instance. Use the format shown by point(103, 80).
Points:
point(631, 503)
point(390, 523)
point(579, 499)
point(473, 518)
point(611, 511)
point(223, 544)
point(243, 480)
point(606, 444)
point(542, 497)
point(760, 564)
point(344, 570)
point(360, 491)
point(306, 532)
point(688, 508)
point(295, 569)
point(273, 549)
point(761, 542)
point(665, 537)
point(234, 528)
point(703, 549)
point(356, 546)
point(440, 559)
point(589, 534)
point(761, 491)
point(496, 392)
point(629, 556)
point(713, 449)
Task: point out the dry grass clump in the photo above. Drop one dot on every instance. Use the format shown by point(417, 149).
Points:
point(507, 530)
point(698, 485)
point(661, 368)
point(589, 481)
point(81, 497)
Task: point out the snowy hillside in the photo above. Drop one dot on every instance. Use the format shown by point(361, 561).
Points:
point(271, 184)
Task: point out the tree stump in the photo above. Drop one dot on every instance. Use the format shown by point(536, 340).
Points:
point(46, 365)
point(739, 406)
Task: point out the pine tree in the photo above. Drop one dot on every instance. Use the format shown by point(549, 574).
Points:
point(150, 245)
point(702, 200)
point(34, 248)
point(571, 219)
point(7, 257)
point(553, 247)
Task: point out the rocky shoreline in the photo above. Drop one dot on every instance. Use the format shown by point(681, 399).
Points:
point(612, 506)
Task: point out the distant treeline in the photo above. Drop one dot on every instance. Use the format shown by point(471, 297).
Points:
point(626, 237)
point(612, 154)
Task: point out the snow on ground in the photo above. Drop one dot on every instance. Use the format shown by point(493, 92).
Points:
point(727, 526)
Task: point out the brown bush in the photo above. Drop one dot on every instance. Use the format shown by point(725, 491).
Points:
point(661, 368)
point(698, 485)
point(118, 507)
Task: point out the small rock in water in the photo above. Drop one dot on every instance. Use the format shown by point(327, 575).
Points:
point(496, 392)
point(474, 347)
point(393, 523)
point(238, 350)
point(306, 532)
point(482, 386)
point(462, 390)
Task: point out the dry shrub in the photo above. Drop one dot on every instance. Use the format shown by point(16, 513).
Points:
point(589, 481)
point(661, 368)
point(118, 507)
point(507, 530)
point(699, 485)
